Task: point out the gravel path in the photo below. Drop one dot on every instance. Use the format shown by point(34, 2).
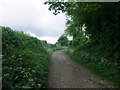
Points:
point(64, 73)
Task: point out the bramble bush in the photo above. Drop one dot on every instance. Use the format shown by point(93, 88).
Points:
point(25, 60)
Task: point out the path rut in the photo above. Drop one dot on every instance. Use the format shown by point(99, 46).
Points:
point(65, 73)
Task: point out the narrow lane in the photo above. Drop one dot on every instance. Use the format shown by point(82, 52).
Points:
point(64, 73)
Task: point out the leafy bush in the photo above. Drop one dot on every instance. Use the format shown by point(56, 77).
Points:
point(58, 47)
point(25, 60)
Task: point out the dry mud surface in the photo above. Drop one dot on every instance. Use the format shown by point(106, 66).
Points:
point(64, 73)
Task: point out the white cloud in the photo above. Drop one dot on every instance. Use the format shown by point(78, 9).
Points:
point(49, 39)
point(31, 34)
point(32, 16)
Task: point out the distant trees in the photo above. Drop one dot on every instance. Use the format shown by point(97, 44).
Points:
point(63, 40)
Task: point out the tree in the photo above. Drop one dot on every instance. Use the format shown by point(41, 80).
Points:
point(99, 42)
point(63, 40)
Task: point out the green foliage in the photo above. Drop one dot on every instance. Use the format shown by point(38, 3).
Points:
point(63, 40)
point(25, 60)
point(56, 47)
point(95, 30)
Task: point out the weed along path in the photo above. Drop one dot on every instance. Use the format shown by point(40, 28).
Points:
point(64, 73)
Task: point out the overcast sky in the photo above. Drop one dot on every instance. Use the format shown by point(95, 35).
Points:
point(33, 17)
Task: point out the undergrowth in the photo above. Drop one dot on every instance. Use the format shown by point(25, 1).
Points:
point(25, 60)
point(98, 65)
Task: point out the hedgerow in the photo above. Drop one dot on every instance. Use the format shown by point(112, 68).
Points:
point(25, 60)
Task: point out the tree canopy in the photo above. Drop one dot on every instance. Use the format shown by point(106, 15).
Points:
point(63, 40)
point(95, 28)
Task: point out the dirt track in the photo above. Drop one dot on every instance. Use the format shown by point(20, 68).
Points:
point(64, 73)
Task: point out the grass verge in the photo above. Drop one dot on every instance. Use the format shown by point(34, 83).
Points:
point(114, 81)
